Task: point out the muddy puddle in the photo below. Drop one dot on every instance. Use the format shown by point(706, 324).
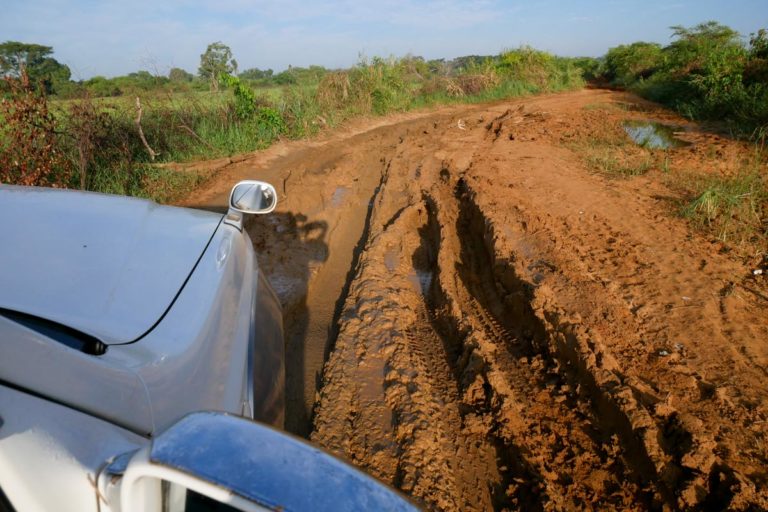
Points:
point(654, 135)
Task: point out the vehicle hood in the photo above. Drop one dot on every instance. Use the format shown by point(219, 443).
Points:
point(108, 266)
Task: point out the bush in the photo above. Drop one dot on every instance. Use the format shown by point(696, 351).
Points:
point(705, 73)
point(29, 153)
point(627, 64)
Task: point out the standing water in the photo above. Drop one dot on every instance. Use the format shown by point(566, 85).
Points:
point(652, 135)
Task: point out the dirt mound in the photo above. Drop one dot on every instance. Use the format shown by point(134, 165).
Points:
point(502, 328)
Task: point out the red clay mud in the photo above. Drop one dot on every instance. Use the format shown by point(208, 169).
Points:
point(476, 318)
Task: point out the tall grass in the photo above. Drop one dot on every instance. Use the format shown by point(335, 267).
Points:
point(97, 141)
point(733, 208)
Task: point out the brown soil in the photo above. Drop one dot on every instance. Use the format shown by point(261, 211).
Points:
point(477, 319)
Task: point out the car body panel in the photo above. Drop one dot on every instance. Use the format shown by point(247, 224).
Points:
point(104, 265)
point(50, 454)
point(217, 344)
point(219, 347)
point(197, 358)
point(30, 361)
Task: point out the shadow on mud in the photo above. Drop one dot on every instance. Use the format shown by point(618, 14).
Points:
point(288, 246)
point(291, 245)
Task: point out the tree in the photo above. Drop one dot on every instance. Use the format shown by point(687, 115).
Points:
point(256, 74)
point(35, 59)
point(216, 60)
point(179, 75)
point(626, 64)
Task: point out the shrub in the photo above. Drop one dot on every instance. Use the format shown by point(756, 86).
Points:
point(626, 64)
point(29, 153)
point(705, 73)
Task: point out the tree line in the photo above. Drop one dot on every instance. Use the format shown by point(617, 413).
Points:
point(55, 78)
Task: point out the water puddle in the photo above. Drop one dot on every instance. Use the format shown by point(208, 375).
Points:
point(422, 279)
point(337, 199)
point(391, 260)
point(653, 135)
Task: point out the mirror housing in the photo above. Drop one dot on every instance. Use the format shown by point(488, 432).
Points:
point(250, 197)
point(247, 466)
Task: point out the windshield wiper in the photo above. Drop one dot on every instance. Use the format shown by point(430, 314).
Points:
point(65, 335)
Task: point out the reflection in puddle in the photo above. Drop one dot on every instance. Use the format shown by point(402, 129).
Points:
point(422, 279)
point(391, 260)
point(337, 199)
point(652, 135)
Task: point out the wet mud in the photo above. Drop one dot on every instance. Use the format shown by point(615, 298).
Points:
point(476, 319)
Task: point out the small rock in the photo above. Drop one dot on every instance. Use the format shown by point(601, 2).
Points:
point(663, 353)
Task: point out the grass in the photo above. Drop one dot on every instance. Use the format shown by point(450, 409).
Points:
point(609, 152)
point(732, 208)
point(729, 202)
point(609, 163)
point(99, 146)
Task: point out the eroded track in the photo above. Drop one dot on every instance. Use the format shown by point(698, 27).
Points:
point(502, 329)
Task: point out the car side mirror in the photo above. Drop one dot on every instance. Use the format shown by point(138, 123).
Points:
point(223, 462)
point(251, 196)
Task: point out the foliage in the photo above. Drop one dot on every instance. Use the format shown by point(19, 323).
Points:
point(28, 139)
point(589, 67)
point(256, 74)
point(180, 75)
point(34, 60)
point(627, 64)
point(298, 75)
point(216, 60)
point(706, 72)
point(245, 98)
point(734, 207)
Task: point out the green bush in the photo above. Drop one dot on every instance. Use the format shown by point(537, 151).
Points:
point(706, 72)
point(627, 64)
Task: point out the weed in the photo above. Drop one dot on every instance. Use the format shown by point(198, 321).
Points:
point(733, 208)
point(613, 163)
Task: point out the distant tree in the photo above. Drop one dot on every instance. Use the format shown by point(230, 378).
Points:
point(179, 75)
point(256, 74)
point(758, 44)
point(466, 62)
point(438, 67)
point(756, 71)
point(15, 56)
point(287, 77)
point(216, 60)
point(35, 59)
point(626, 64)
point(709, 59)
point(99, 86)
point(696, 48)
point(589, 67)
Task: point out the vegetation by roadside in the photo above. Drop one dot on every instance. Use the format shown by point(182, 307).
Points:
point(707, 72)
point(719, 185)
point(115, 146)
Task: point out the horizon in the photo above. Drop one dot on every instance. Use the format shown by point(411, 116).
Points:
point(114, 39)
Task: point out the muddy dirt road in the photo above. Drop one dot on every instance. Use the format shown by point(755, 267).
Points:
point(477, 319)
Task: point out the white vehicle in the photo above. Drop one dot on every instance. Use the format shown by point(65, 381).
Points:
point(120, 321)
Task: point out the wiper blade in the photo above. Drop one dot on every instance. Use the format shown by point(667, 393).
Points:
point(63, 334)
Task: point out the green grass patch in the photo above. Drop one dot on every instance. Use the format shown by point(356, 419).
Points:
point(732, 208)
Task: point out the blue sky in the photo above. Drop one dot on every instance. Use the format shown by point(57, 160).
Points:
point(111, 38)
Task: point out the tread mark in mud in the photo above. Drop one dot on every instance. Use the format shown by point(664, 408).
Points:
point(428, 347)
